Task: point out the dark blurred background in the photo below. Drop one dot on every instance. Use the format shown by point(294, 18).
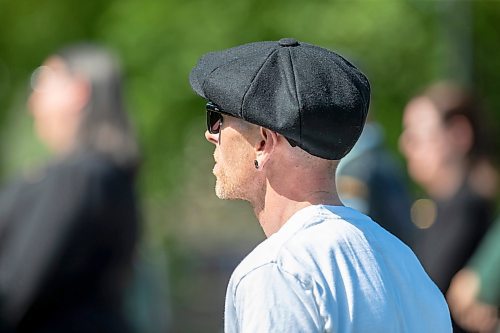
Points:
point(191, 240)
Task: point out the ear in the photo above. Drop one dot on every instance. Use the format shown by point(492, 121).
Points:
point(265, 146)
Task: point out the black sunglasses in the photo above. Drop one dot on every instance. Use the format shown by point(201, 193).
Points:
point(214, 118)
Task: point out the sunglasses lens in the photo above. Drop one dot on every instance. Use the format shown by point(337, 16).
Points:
point(214, 122)
point(214, 118)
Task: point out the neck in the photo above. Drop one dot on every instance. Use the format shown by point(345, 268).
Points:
point(278, 206)
point(447, 181)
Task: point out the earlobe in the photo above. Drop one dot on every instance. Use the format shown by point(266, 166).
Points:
point(265, 147)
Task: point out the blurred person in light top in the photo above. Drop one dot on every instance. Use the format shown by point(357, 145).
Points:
point(370, 180)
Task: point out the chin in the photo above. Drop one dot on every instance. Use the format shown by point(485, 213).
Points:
point(422, 176)
point(228, 192)
point(222, 193)
point(219, 193)
point(220, 190)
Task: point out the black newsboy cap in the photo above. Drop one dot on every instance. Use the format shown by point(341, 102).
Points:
point(308, 94)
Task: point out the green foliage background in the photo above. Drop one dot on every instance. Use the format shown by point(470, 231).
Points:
point(402, 45)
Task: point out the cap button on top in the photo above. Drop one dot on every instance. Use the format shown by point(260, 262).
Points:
point(288, 42)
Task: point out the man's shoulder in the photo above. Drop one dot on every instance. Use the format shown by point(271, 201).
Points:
point(301, 240)
point(266, 253)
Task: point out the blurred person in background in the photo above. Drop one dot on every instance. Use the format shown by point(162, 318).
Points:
point(370, 180)
point(446, 149)
point(474, 293)
point(68, 231)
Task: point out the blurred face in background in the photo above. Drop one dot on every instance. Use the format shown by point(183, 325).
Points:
point(56, 103)
point(425, 141)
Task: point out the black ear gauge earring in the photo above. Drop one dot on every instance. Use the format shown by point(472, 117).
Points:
point(256, 164)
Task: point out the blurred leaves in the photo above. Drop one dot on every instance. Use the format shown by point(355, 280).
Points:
point(396, 42)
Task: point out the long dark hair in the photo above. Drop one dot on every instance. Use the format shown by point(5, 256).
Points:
point(104, 127)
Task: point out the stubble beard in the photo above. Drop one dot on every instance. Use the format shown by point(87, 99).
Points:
point(234, 174)
point(234, 186)
point(221, 189)
point(226, 188)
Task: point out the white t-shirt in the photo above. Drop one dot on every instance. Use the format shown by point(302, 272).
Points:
point(332, 269)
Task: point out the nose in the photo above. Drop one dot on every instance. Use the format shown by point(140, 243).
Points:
point(213, 138)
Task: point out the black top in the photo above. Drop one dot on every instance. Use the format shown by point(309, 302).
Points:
point(460, 224)
point(67, 237)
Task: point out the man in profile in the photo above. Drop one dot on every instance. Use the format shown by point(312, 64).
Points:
point(281, 115)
